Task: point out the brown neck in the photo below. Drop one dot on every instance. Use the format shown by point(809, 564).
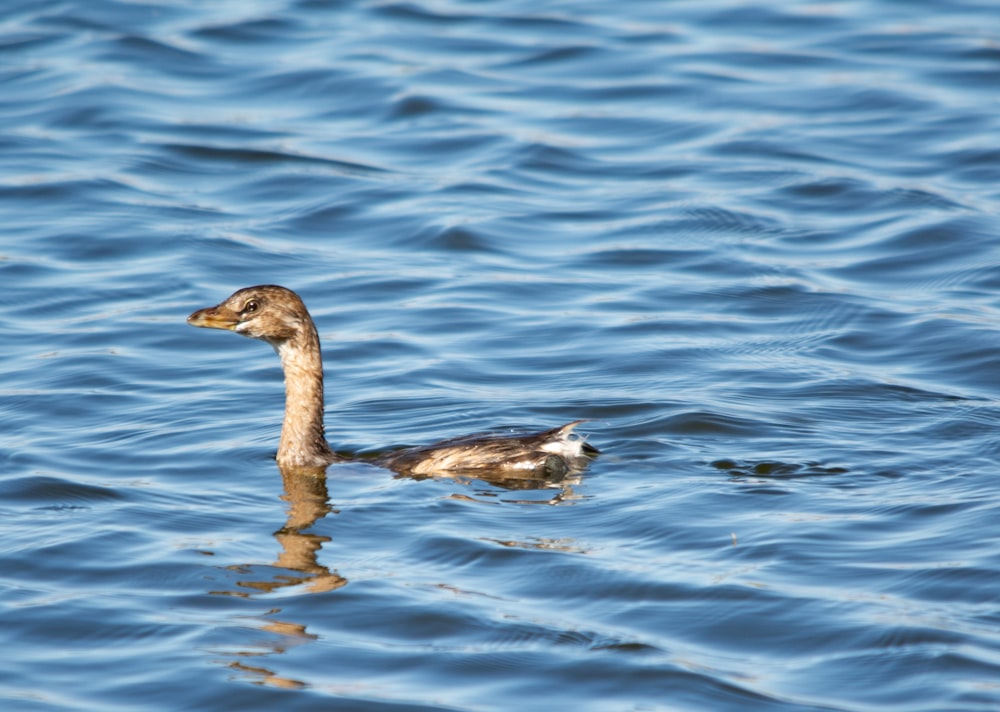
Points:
point(303, 443)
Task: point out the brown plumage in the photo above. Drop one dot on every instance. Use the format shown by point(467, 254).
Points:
point(278, 316)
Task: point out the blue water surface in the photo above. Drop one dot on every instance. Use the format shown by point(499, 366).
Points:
point(755, 245)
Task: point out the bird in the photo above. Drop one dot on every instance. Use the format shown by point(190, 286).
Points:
point(278, 315)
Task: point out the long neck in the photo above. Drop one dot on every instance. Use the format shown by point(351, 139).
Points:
point(303, 443)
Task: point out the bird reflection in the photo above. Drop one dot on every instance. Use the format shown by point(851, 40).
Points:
point(298, 561)
point(298, 566)
point(538, 487)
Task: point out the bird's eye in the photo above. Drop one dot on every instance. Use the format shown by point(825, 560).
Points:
point(251, 306)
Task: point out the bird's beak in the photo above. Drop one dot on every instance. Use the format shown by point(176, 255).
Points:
point(215, 318)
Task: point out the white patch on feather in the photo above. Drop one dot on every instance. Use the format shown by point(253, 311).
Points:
point(566, 443)
point(566, 446)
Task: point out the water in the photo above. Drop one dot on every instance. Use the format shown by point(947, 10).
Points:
point(756, 246)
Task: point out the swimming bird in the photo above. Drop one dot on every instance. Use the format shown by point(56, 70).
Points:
point(278, 316)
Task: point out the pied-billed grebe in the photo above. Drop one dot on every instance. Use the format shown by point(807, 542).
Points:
point(278, 316)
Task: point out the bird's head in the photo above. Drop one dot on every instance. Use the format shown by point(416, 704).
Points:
point(267, 312)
